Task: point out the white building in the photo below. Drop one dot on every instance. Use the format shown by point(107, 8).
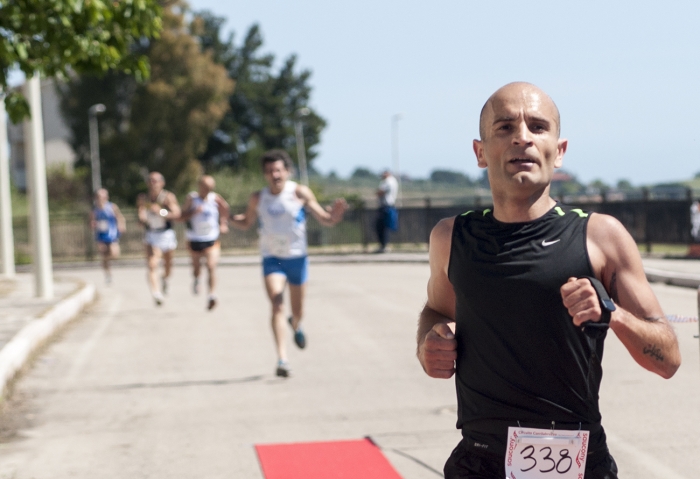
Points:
point(56, 138)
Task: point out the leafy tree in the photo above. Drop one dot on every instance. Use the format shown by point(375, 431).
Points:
point(264, 105)
point(598, 184)
point(624, 185)
point(362, 173)
point(160, 125)
point(484, 179)
point(55, 37)
point(450, 177)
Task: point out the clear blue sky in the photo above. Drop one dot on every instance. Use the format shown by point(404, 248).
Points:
point(624, 74)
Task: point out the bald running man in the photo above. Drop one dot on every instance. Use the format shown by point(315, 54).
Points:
point(206, 214)
point(518, 310)
point(157, 209)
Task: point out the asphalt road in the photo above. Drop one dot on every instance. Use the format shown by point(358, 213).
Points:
point(135, 391)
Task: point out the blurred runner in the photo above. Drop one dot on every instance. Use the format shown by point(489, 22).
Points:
point(157, 210)
point(387, 216)
point(108, 223)
point(280, 209)
point(206, 214)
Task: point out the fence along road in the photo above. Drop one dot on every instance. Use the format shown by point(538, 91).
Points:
point(135, 391)
point(649, 220)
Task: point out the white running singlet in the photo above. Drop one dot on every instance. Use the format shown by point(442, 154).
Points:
point(282, 223)
point(204, 226)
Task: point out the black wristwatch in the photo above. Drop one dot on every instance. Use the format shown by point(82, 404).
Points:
point(598, 329)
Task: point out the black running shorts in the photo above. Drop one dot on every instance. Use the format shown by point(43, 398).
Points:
point(469, 462)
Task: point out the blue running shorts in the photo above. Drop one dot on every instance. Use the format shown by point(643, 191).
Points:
point(295, 269)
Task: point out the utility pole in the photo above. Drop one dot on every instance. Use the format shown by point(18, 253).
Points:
point(36, 188)
point(395, 152)
point(95, 146)
point(6, 237)
point(301, 149)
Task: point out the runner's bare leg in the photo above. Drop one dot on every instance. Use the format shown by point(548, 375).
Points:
point(153, 256)
point(196, 266)
point(274, 285)
point(296, 295)
point(167, 264)
point(212, 256)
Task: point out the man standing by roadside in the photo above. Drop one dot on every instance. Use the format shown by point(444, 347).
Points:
point(518, 308)
point(157, 209)
point(387, 216)
point(206, 214)
point(108, 223)
point(280, 208)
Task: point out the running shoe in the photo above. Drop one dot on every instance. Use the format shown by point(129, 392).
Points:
point(212, 303)
point(195, 286)
point(283, 369)
point(158, 298)
point(299, 337)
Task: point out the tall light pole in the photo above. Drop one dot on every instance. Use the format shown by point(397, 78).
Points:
point(6, 237)
point(301, 150)
point(395, 152)
point(36, 187)
point(95, 146)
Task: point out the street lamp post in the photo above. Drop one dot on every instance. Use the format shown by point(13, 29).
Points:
point(395, 152)
point(35, 155)
point(95, 145)
point(7, 244)
point(301, 150)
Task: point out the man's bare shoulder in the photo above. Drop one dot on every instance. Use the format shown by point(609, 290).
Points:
point(303, 192)
point(441, 242)
point(170, 197)
point(611, 248)
point(607, 231)
point(254, 199)
point(442, 231)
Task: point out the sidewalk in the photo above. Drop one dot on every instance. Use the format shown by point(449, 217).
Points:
point(19, 306)
point(26, 321)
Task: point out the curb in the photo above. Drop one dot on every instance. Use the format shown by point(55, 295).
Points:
point(686, 280)
point(19, 350)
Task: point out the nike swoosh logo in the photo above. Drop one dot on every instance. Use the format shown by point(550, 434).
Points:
point(548, 243)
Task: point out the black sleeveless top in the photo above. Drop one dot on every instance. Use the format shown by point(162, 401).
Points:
point(520, 358)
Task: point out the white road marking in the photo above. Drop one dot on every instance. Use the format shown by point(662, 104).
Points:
point(89, 345)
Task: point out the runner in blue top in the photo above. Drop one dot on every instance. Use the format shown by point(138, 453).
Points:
point(280, 209)
point(108, 223)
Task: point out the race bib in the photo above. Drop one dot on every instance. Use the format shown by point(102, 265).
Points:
point(202, 229)
point(278, 245)
point(155, 221)
point(546, 453)
point(102, 226)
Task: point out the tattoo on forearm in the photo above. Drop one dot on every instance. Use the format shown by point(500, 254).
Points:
point(653, 319)
point(654, 352)
point(613, 287)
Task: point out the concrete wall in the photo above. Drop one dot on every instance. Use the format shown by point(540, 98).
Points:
point(56, 137)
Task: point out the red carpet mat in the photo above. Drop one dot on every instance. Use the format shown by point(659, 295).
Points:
point(358, 459)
